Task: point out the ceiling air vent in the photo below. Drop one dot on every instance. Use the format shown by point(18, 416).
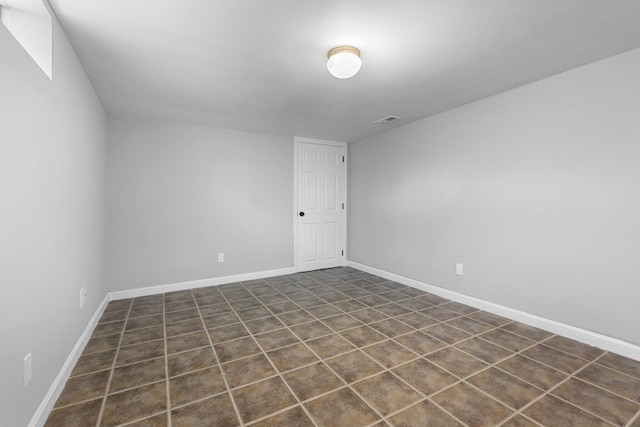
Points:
point(385, 120)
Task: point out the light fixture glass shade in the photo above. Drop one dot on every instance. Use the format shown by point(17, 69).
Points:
point(344, 62)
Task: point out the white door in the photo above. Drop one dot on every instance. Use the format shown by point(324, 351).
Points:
point(320, 207)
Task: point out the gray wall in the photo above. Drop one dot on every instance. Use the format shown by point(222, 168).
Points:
point(179, 194)
point(52, 228)
point(535, 190)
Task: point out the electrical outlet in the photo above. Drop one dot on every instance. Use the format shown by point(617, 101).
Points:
point(221, 257)
point(83, 296)
point(459, 269)
point(27, 369)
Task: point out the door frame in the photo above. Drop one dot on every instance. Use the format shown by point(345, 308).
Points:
point(296, 141)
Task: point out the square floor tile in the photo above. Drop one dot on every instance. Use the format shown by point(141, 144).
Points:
point(81, 414)
point(341, 408)
point(139, 352)
point(621, 364)
point(266, 324)
point(424, 413)
point(391, 327)
point(330, 345)
point(187, 342)
point(484, 350)
point(470, 325)
point(420, 343)
point(456, 362)
point(135, 403)
point(276, 339)
point(362, 336)
point(389, 353)
point(353, 366)
point(621, 384)
point(195, 386)
point(386, 393)
point(83, 387)
point(248, 370)
point(368, 315)
point(307, 331)
point(471, 406)
point(183, 327)
point(527, 331)
point(219, 320)
point(342, 322)
point(228, 333)
point(507, 340)
point(416, 320)
point(555, 358)
point(291, 357)
point(94, 362)
point(293, 417)
point(532, 372)
point(181, 363)
point(446, 333)
point(425, 376)
point(489, 318)
point(552, 411)
point(597, 401)
point(137, 374)
point(505, 388)
point(261, 399)
point(237, 349)
point(216, 411)
point(312, 381)
point(295, 317)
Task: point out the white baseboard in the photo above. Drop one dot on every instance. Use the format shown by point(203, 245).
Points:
point(216, 281)
point(40, 417)
point(598, 340)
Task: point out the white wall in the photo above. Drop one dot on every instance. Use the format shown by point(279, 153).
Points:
point(179, 194)
point(52, 228)
point(535, 190)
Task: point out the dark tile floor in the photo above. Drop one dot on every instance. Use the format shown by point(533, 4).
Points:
point(335, 347)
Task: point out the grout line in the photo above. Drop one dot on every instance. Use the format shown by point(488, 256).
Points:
point(166, 359)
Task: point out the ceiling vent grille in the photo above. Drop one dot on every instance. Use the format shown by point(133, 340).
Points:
point(385, 120)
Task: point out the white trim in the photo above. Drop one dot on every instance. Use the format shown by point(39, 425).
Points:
point(344, 145)
point(42, 413)
point(588, 337)
point(215, 281)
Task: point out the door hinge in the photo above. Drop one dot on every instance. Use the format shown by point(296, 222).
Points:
point(343, 206)
point(343, 252)
point(342, 159)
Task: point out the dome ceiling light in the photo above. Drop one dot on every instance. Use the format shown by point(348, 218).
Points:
point(344, 61)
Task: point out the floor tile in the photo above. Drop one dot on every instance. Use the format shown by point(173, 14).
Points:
point(555, 358)
point(386, 393)
point(519, 421)
point(330, 345)
point(484, 350)
point(507, 340)
point(216, 411)
point(597, 401)
point(133, 404)
point(341, 408)
point(195, 386)
point(291, 357)
point(621, 364)
point(248, 370)
point(456, 362)
point(389, 354)
point(237, 349)
point(470, 406)
point(307, 331)
point(276, 339)
point(417, 320)
point(293, 417)
point(228, 333)
point(507, 389)
point(552, 411)
point(353, 366)
point(325, 310)
point(84, 387)
point(137, 374)
point(263, 398)
point(160, 420)
point(439, 313)
point(393, 309)
point(489, 318)
point(177, 316)
point(183, 327)
point(139, 352)
point(420, 343)
point(469, 325)
point(424, 413)
point(446, 333)
point(368, 315)
point(192, 360)
point(621, 384)
point(391, 327)
point(575, 348)
point(425, 376)
point(263, 325)
point(187, 342)
point(81, 414)
point(295, 317)
point(103, 343)
point(312, 381)
point(532, 372)
point(527, 331)
point(219, 320)
point(363, 336)
point(94, 362)
point(108, 328)
point(253, 313)
point(341, 322)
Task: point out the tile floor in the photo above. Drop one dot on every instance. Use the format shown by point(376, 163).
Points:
point(335, 347)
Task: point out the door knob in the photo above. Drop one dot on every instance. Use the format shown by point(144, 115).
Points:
point(301, 213)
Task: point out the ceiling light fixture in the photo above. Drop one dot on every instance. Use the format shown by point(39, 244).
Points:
point(344, 61)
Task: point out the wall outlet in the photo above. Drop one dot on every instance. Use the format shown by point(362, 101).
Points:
point(221, 257)
point(459, 269)
point(83, 296)
point(27, 369)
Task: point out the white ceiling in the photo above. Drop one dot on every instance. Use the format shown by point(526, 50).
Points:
point(260, 65)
